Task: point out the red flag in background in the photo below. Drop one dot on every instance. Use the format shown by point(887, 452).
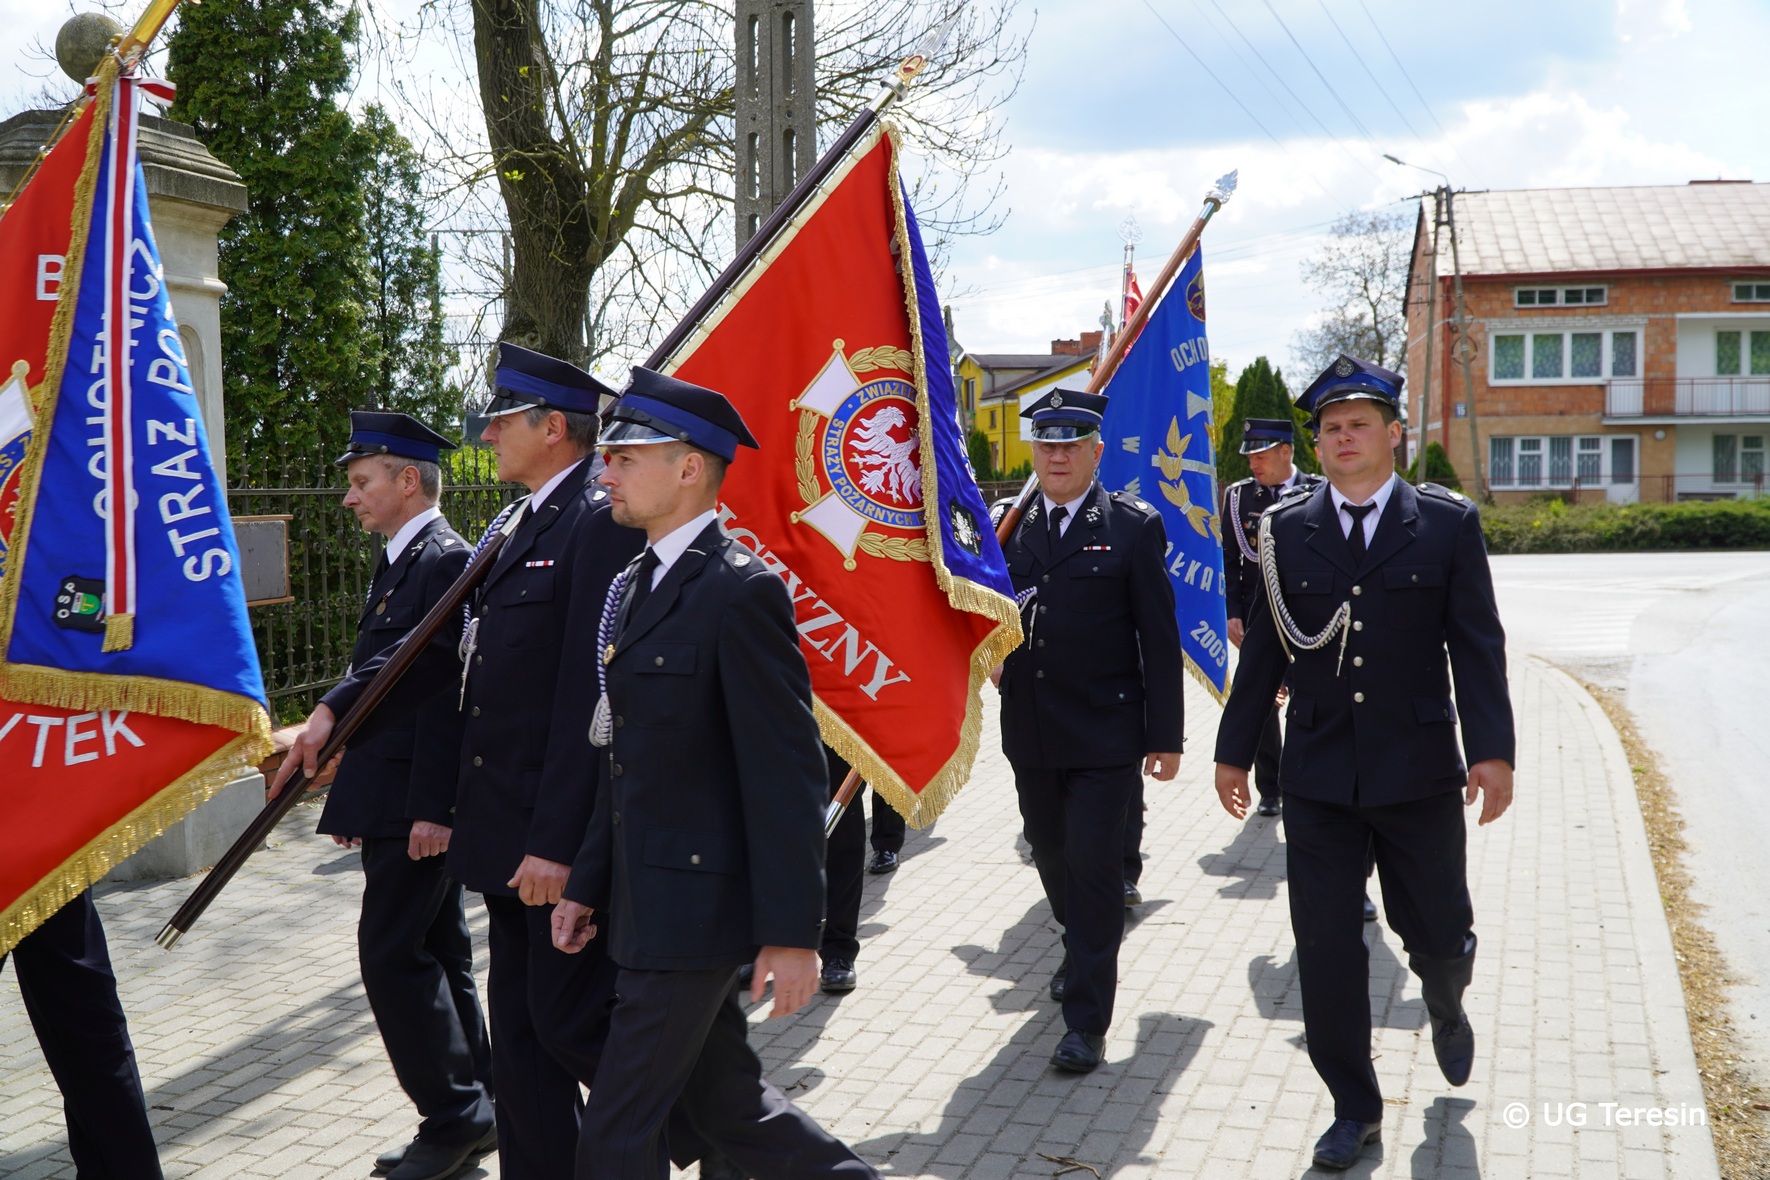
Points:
point(831, 353)
point(1133, 298)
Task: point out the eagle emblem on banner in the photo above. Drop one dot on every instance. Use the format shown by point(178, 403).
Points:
point(857, 455)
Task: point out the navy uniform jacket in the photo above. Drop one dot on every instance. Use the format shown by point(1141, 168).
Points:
point(1382, 729)
point(1243, 502)
point(1098, 680)
point(707, 843)
point(527, 781)
point(407, 769)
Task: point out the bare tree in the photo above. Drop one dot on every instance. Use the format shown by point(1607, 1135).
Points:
point(1362, 270)
point(607, 128)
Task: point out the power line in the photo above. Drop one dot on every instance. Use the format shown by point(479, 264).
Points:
point(1247, 68)
point(1207, 69)
point(1307, 109)
point(1408, 78)
point(1353, 50)
point(1356, 122)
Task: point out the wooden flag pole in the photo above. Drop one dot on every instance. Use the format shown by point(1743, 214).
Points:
point(1214, 200)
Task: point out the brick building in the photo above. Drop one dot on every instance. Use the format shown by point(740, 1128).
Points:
point(1620, 341)
point(993, 388)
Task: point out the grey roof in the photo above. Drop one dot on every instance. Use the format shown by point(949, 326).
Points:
point(1529, 231)
point(1020, 360)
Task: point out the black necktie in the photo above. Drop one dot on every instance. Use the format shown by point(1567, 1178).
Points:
point(1356, 537)
point(640, 580)
point(1054, 523)
point(381, 564)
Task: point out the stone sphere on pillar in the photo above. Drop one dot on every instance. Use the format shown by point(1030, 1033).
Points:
point(82, 42)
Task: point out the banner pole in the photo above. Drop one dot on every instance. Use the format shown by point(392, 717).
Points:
point(1214, 200)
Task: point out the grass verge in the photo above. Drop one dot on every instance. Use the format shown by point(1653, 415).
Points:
point(1735, 1105)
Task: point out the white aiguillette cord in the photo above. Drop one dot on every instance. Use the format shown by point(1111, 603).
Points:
point(505, 523)
point(1289, 633)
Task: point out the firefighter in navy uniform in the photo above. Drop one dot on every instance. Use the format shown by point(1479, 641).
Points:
point(526, 786)
point(1269, 445)
point(1091, 700)
point(394, 797)
point(1382, 593)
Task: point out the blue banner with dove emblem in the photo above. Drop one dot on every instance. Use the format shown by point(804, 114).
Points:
point(1158, 448)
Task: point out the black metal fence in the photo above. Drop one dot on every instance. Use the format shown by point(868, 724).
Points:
point(304, 644)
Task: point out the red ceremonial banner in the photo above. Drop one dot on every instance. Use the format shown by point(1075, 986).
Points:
point(820, 349)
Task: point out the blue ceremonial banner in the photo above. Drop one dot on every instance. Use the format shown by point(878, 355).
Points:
point(1158, 447)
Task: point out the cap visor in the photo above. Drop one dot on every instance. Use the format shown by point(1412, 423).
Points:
point(1063, 432)
point(624, 432)
point(504, 404)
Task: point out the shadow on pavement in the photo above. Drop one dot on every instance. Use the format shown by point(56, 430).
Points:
point(1253, 860)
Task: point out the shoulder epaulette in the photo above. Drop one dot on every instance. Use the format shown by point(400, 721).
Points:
point(738, 556)
point(1293, 495)
point(1443, 492)
point(1130, 501)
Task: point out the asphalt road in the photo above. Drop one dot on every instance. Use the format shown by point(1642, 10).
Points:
point(1687, 636)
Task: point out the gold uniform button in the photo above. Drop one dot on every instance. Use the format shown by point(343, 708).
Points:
point(1358, 661)
point(1358, 589)
point(1358, 697)
point(380, 608)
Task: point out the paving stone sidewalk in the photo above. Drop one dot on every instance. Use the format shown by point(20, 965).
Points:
point(260, 1057)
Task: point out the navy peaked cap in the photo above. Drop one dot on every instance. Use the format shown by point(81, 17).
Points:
point(1348, 378)
point(655, 408)
point(1066, 414)
point(380, 432)
point(527, 378)
point(1263, 434)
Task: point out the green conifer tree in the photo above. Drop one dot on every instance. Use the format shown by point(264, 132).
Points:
point(1260, 392)
point(260, 81)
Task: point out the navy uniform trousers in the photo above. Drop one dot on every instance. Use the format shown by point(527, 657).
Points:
point(70, 994)
point(1419, 849)
point(1075, 820)
point(845, 863)
point(417, 964)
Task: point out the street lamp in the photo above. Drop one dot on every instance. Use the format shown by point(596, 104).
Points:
point(1444, 213)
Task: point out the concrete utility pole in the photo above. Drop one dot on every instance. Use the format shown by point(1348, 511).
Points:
point(776, 106)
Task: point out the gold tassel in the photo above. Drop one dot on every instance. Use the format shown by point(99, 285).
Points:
point(82, 691)
point(128, 835)
point(119, 632)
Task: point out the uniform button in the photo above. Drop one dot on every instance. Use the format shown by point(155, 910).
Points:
point(1416, 577)
point(695, 859)
point(659, 661)
point(1358, 589)
point(1358, 661)
point(1358, 625)
point(1043, 609)
point(524, 594)
point(476, 710)
point(479, 659)
point(617, 817)
point(1305, 585)
point(1046, 578)
point(1358, 697)
point(620, 721)
point(1121, 696)
point(1096, 569)
point(478, 761)
point(616, 769)
point(1039, 675)
point(1041, 643)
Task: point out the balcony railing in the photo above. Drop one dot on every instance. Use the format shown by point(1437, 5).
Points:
point(1696, 397)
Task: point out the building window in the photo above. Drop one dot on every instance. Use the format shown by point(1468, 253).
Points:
point(1559, 461)
point(1726, 458)
point(1751, 292)
point(992, 419)
point(970, 395)
point(1751, 457)
point(1559, 296)
point(1568, 356)
point(1737, 352)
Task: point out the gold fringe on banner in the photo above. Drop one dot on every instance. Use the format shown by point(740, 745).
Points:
point(125, 837)
point(119, 632)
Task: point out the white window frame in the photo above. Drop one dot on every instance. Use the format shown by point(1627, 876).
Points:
point(1541, 448)
point(1606, 334)
point(1740, 451)
point(1759, 290)
point(1558, 296)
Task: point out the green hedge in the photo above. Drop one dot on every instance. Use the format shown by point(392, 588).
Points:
point(1554, 526)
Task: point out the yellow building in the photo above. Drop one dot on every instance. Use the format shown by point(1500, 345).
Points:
point(994, 387)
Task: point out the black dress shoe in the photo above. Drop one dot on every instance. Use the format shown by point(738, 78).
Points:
point(883, 862)
point(387, 1161)
point(838, 976)
point(1079, 1052)
point(1338, 1149)
point(1058, 980)
point(1454, 1045)
point(1133, 895)
point(1268, 805)
point(1370, 909)
point(432, 1161)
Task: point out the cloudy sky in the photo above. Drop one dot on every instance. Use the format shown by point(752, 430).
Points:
point(1135, 106)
